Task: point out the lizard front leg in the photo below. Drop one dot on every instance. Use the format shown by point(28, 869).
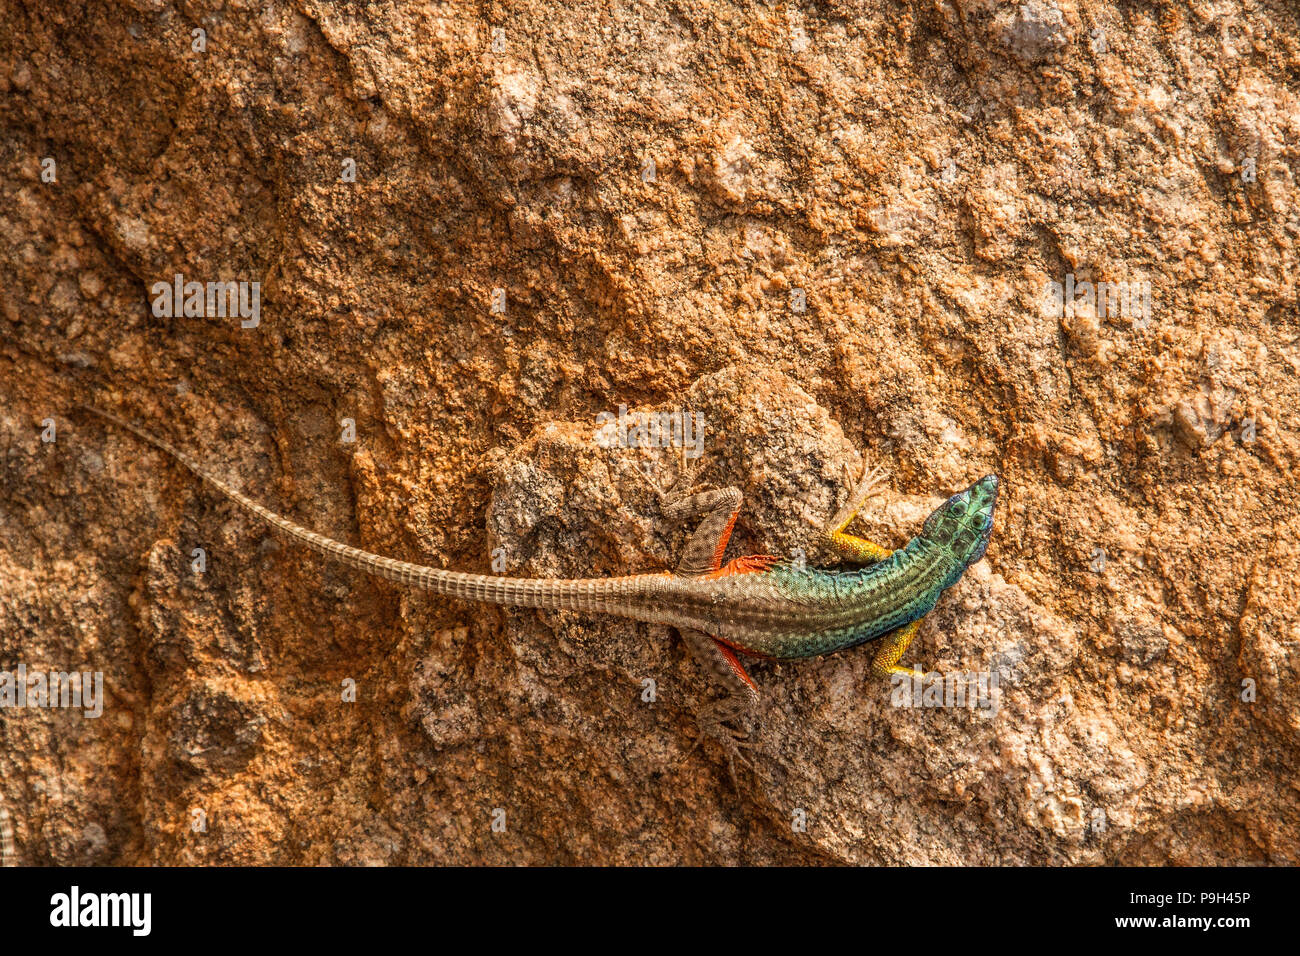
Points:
point(894, 644)
point(850, 546)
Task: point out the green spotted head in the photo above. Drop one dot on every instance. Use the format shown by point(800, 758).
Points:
point(961, 526)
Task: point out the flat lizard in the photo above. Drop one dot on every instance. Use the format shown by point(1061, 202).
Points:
point(755, 605)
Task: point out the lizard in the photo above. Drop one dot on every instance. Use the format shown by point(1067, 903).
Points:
point(755, 605)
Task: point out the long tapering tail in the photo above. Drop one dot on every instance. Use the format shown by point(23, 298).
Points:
point(608, 595)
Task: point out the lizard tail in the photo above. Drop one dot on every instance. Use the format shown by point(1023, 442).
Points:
point(610, 595)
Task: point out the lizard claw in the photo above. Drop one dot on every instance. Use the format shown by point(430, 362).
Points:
point(655, 488)
point(681, 485)
point(724, 721)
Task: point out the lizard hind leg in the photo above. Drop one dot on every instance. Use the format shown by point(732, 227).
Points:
point(707, 544)
point(720, 508)
point(683, 501)
point(723, 719)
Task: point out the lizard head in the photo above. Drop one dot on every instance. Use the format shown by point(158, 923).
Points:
point(963, 523)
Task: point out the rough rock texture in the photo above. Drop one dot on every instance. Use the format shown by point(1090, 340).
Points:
point(827, 229)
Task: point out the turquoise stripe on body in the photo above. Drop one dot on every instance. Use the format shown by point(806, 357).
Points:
point(881, 598)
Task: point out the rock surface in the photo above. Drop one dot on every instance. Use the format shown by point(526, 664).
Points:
point(831, 232)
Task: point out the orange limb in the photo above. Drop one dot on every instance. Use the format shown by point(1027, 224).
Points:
point(734, 663)
point(723, 538)
point(750, 564)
